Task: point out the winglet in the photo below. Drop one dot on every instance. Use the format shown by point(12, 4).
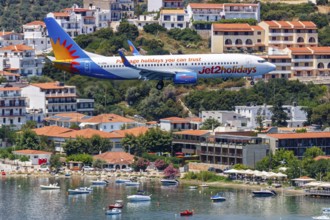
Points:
point(124, 60)
point(133, 49)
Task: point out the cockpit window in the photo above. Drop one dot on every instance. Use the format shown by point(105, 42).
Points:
point(262, 61)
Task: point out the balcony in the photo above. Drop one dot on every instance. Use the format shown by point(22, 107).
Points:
point(302, 60)
point(12, 114)
point(281, 34)
point(302, 68)
point(11, 106)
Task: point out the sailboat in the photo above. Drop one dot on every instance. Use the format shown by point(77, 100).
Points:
point(204, 185)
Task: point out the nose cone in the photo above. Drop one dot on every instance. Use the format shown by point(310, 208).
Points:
point(271, 67)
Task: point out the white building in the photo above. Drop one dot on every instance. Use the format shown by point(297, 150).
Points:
point(20, 59)
point(216, 12)
point(174, 19)
point(37, 157)
point(85, 106)
point(35, 36)
point(108, 122)
point(225, 118)
point(120, 9)
point(51, 98)
point(10, 38)
point(9, 77)
point(177, 123)
point(143, 20)
point(154, 5)
point(12, 107)
point(297, 116)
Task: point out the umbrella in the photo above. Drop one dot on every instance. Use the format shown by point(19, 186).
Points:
point(231, 171)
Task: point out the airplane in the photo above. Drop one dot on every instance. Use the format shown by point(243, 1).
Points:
point(181, 69)
point(133, 49)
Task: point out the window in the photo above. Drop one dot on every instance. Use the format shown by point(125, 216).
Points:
point(259, 33)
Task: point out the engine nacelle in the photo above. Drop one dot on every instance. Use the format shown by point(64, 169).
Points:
point(185, 78)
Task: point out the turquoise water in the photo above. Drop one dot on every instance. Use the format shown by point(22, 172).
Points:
point(21, 198)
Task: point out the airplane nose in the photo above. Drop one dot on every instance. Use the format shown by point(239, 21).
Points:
point(272, 67)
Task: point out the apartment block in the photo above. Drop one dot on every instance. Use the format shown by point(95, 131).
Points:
point(282, 34)
point(173, 4)
point(177, 123)
point(283, 66)
point(225, 118)
point(85, 106)
point(10, 38)
point(120, 9)
point(174, 19)
point(12, 107)
point(20, 59)
point(237, 37)
point(102, 4)
point(35, 36)
point(216, 12)
point(51, 98)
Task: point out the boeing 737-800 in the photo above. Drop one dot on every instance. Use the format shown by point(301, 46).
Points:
point(182, 69)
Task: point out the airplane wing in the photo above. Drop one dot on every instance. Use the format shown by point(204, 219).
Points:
point(147, 74)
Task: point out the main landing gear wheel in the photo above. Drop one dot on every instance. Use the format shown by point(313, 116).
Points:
point(160, 85)
point(252, 83)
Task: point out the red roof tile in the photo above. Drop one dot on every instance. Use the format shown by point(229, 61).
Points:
point(116, 157)
point(205, 6)
point(232, 27)
point(10, 89)
point(137, 131)
point(51, 131)
point(50, 85)
point(87, 133)
point(35, 23)
point(193, 132)
point(301, 135)
point(17, 48)
point(108, 118)
point(28, 151)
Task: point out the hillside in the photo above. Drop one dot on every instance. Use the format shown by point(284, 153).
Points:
point(15, 13)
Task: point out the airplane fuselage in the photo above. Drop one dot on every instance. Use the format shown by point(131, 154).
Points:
point(205, 65)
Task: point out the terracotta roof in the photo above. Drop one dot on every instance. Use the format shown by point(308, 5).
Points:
point(193, 132)
point(194, 119)
point(291, 24)
point(3, 33)
point(17, 48)
point(106, 118)
point(77, 9)
point(152, 123)
point(67, 117)
point(61, 14)
point(166, 11)
point(310, 50)
point(301, 135)
point(87, 133)
point(239, 4)
point(5, 73)
point(51, 131)
point(232, 27)
point(28, 151)
point(175, 120)
point(278, 57)
point(116, 157)
point(10, 89)
point(49, 85)
point(35, 23)
point(205, 6)
point(323, 157)
point(257, 28)
point(133, 131)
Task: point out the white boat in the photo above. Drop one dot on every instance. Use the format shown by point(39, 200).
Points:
point(122, 180)
point(218, 198)
point(264, 193)
point(50, 186)
point(169, 182)
point(193, 187)
point(326, 211)
point(138, 198)
point(204, 185)
point(86, 188)
point(131, 183)
point(321, 217)
point(113, 211)
point(100, 182)
point(81, 190)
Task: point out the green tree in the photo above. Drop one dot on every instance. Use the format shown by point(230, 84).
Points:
point(24, 158)
point(80, 145)
point(130, 31)
point(140, 164)
point(279, 116)
point(55, 161)
point(98, 163)
point(132, 145)
point(153, 28)
point(29, 125)
point(28, 139)
point(84, 158)
point(156, 140)
point(259, 119)
point(99, 145)
point(321, 115)
point(210, 123)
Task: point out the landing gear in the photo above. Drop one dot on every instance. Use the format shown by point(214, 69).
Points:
point(252, 83)
point(160, 85)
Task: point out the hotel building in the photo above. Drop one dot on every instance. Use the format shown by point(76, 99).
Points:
point(174, 19)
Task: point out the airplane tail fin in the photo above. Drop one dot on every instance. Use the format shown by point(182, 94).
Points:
point(133, 49)
point(64, 47)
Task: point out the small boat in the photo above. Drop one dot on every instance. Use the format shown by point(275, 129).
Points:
point(321, 217)
point(186, 213)
point(326, 211)
point(193, 187)
point(169, 182)
point(50, 186)
point(122, 180)
point(118, 205)
point(131, 183)
point(218, 198)
point(86, 188)
point(264, 193)
point(67, 175)
point(138, 198)
point(81, 190)
point(113, 211)
point(204, 185)
point(100, 182)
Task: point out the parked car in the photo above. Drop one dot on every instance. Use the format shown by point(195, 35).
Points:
point(109, 169)
point(44, 168)
point(216, 170)
point(128, 169)
point(87, 168)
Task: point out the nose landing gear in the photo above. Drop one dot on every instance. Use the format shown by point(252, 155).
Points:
point(160, 85)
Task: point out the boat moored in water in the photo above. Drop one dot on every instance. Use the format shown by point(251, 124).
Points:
point(122, 180)
point(186, 213)
point(139, 198)
point(50, 186)
point(118, 205)
point(326, 211)
point(218, 198)
point(169, 182)
point(264, 193)
point(100, 182)
point(81, 190)
point(114, 211)
point(321, 217)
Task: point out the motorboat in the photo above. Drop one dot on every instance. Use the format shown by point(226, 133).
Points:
point(321, 217)
point(169, 182)
point(67, 175)
point(50, 186)
point(204, 185)
point(139, 198)
point(113, 211)
point(100, 182)
point(81, 190)
point(326, 211)
point(186, 213)
point(192, 187)
point(218, 198)
point(86, 188)
point(131, 183)
point(122, 180)
point(118, 205)
point(264, 193)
